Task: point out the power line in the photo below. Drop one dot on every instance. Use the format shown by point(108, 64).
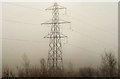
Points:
point(88, 36)
point(67, 15)
point(78, 47)
point(41, 10)
point(91, 37)
point(19, 5)
point(15, 21)
point(23, 40)
point(21, 22)
point(89, 24)
point(14, 4)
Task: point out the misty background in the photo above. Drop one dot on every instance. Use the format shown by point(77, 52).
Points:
point(93, 29)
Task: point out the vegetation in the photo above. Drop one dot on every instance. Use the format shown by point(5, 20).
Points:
point(108, 68)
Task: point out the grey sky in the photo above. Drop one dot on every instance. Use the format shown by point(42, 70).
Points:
point(93, 28)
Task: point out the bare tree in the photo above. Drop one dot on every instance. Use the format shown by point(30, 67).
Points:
point(108, 65)
point(26, 64)
point(87, 72)
point(70, 72)
point(43, 67)
point(7, 72)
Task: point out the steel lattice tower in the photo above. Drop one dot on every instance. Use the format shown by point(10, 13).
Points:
point(55, 60)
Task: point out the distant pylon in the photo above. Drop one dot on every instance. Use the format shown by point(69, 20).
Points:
point(55, 60)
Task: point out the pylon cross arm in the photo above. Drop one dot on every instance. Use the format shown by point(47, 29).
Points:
point(51, 22)
point(51, 33)
point(58, 7)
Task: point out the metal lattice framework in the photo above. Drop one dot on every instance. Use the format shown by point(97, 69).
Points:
point(55, 60)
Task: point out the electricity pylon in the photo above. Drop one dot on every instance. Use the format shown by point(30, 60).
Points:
point(55, 60)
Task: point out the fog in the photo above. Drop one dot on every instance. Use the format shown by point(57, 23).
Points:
point(93, 29)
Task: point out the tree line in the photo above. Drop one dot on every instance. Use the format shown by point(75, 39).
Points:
point(107, 68)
